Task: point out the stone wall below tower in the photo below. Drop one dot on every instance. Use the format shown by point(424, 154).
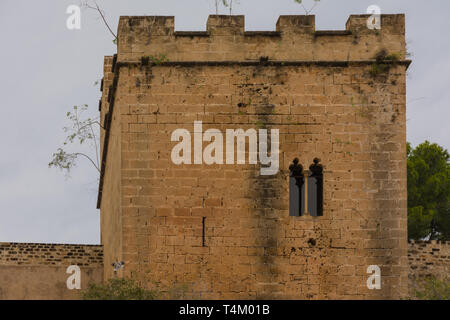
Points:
point(428, 259)
point(37, 271)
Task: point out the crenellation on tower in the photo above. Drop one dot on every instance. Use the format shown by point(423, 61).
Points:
point(393, 24)
point(225, 25)
point(225, 39)
point(296, 24)
point(221, 227)
point(247, 165)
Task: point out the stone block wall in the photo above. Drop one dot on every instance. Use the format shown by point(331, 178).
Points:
point(224, 230)
point(36, 271)
point(111, 223)
point(428, 258)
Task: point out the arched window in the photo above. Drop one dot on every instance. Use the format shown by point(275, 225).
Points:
point(315, 189)
point(296, 189)
point(306, 189)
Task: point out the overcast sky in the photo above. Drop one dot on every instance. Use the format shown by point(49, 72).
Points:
point(45, 69)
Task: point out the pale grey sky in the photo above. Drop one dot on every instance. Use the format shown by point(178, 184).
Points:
point(46, 69)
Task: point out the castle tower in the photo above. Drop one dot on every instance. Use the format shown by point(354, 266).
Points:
point(228, 226)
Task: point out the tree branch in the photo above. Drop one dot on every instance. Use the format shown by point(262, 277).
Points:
point(97, 8)
point(95, 142)
point(89, 158)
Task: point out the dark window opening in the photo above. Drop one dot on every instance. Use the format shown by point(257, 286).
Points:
point(315, 189)
point(203, 232)
point(296, 189)
point(306, 189)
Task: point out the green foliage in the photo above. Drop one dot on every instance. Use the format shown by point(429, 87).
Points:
point(259, 124)
point(81, 131)
point(383, 62)
point(419, 223)
point(156, 60)
point(160, 58)
point(379, 68)
point(393, 57)
point(428, 192)
point(442, 223)
point(118, 289)
point(63, 160)
point(300, 2)
point(433, 289)
point(226, 4)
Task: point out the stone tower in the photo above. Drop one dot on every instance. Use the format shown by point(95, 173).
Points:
point(223, 229)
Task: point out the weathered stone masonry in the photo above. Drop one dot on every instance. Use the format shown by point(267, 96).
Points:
point(224, 231)
point(38, 271)
point(326, 94)
point(427, 259)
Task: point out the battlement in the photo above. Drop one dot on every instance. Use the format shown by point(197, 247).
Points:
point(326, 94)
point(225, 38)
point(50, 254)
